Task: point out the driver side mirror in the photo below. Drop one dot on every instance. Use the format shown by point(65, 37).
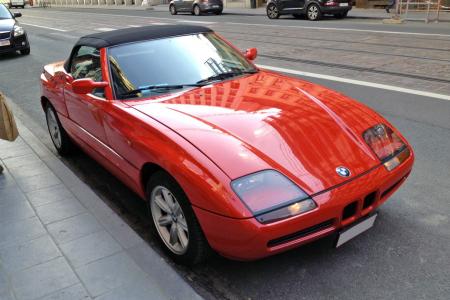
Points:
point(251, 53)
point(17, 15)
point(86, 86)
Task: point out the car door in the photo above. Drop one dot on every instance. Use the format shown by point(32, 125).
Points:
point(292, 5)
point(187, 5)
point(86, 110)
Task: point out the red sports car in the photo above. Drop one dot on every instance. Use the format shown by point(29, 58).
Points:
point(230, 157)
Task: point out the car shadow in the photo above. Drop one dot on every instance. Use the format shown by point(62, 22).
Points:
point(218, 271)
point(10, 56)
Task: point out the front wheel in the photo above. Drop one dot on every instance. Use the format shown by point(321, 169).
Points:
point(25, 51)
point(219, 12)
point(313, 13)
point(174, 221)
point(59, 136)
point(197, 10)
point(173, 9)
point(272, 11)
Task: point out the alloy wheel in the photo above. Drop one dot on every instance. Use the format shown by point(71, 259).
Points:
point(53, 128)
point(272, 12)
point(197, 11)
point(169, 219)
point(173, 10)
point(313, 12)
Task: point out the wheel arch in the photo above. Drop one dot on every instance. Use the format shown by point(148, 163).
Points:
point(147, 170)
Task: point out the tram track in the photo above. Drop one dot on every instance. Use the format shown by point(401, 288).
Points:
point(354, 68)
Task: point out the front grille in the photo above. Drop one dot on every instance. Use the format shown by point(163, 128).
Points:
point(4, 35)
point(350, 210)
point(300, 234)
point(369, 200)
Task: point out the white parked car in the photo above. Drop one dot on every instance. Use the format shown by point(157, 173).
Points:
point(17, 3)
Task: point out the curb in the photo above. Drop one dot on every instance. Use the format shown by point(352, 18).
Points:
point(161, 278)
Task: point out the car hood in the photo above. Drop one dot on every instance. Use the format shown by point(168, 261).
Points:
point(7, 24)
point(270, 121)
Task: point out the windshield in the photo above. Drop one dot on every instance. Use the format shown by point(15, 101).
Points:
point(145, 68)
point(4, 12)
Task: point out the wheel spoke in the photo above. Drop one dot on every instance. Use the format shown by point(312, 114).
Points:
point(168, 198)
point(182, 223)
point(182, 237)
point(176, 209)
point(165, 220)
point(173, 234)
point(162, 204)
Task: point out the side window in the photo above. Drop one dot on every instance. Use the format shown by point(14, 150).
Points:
point(85, 63)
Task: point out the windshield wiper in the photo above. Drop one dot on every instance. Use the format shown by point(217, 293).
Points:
point(225, 75)
point(157, 87)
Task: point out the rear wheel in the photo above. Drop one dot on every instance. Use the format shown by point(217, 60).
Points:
point(197, 10)
point(173, 9)
point(272, 11)
point(174, 221)
point(59, 136)
point(313, 13)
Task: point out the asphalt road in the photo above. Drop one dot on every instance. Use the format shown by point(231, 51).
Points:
point(406, 254)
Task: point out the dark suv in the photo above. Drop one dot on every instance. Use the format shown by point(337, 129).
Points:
point(313, 9)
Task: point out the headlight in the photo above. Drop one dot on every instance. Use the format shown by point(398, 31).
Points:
point(271, 196)
point(387, 145)
point(18, 31)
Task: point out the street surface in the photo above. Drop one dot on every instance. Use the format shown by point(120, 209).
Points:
point(406, 254)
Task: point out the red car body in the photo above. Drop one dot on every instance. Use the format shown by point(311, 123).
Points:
point(210, 135)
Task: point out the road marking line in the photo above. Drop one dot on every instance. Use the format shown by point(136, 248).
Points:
point(359, 82)
point(40, 26)
point(157, 23)
point(105, 29)
point(343, 29)
point(197, 22)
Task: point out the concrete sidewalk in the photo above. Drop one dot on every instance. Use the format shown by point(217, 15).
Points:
point(59, 240)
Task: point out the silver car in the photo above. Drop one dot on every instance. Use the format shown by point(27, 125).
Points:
point(196, 7)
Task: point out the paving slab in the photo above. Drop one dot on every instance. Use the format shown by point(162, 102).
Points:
point(59, 240)
point(43, 279)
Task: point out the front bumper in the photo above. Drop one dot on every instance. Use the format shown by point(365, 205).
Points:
point(247, 239)
point(17, 43)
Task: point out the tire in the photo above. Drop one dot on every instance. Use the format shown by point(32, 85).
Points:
point(341, 15)
point(25, 51)
point(298, 16)
point(272, 11)
point(197, 11)
point(218, 12)
point(58, 134)
point(173, 9)
point(187, 245)
point(313, 12)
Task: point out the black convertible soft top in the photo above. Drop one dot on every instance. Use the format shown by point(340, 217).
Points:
point(129, 35)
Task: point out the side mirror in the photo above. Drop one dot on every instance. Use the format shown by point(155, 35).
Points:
point(251, 53)
point(86, 85)
point(17, 15)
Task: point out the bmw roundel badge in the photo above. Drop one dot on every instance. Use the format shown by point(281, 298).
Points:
point(343, 171)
